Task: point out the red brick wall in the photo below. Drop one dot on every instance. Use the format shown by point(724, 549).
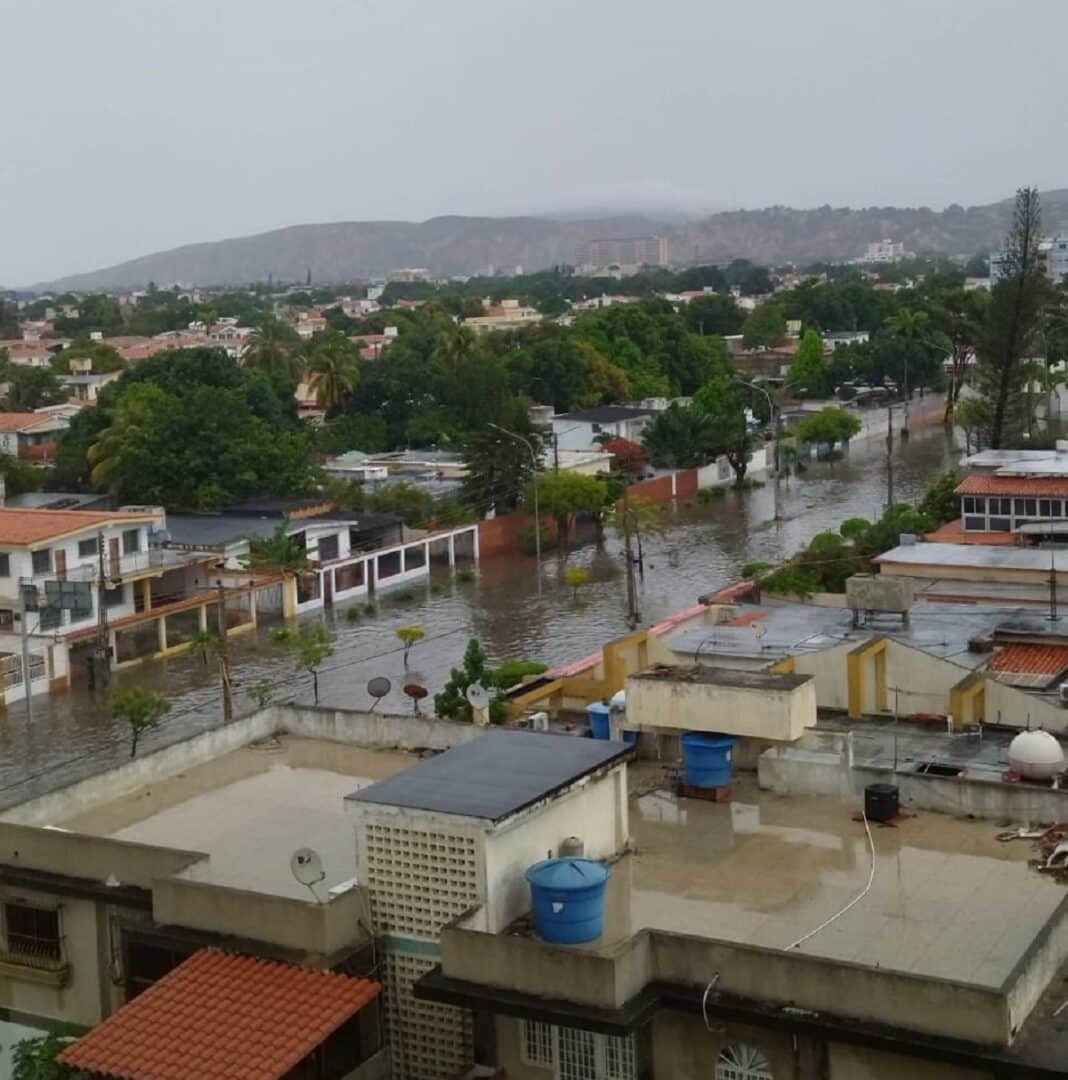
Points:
point(658, 490)
point(502, 532)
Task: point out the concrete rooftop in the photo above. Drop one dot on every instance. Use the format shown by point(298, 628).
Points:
point(948, 900)
point(249, 810)
point(941, 629)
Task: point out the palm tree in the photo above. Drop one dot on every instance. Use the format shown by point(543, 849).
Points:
point(272, 347)
point(911, 326)
point(334, 372)
point(456, 347)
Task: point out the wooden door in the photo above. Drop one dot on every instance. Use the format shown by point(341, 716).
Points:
point(61, 564)
point(113, 557)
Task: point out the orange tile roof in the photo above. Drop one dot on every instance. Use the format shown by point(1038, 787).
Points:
point(954, 533)
point(20, 527)
point(747, 619)
point(16, 421)
point(218, 1016)
point(987, 484)
point(1030, 659)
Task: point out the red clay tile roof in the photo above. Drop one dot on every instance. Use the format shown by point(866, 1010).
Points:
point(16, 421)
point(218, 1016)
point(19, 527)
point(954, 533)
point(986, 484)
point(1031, 659)
point(747, 619)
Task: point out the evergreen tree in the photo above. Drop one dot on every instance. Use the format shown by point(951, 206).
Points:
point(1012, 321)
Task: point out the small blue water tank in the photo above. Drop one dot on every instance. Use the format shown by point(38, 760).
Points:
point(629, 735)
point(567, 896)
point(600, 727)
point(706, 758)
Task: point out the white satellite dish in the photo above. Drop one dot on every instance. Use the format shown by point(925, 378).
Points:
point(307, 867)
point(478, 696)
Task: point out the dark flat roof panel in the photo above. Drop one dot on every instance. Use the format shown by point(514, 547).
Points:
point(495, 775)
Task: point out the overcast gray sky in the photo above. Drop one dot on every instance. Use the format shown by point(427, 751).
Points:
point(130, 126)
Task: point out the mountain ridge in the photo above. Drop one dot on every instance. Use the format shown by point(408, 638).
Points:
point(460, 244)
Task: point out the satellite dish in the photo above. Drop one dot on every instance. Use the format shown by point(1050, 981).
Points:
point(478, 696)
point(378, 687)
point(306, 866)
point(416, 693)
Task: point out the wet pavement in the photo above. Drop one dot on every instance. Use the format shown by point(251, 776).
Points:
point(704, 549)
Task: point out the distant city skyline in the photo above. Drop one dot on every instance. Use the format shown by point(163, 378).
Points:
point(153, 126)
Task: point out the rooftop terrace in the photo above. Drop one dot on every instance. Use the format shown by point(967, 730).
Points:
point(948, 900)
point(250, 809)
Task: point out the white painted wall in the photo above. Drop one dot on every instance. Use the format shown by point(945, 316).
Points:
point(595, 810)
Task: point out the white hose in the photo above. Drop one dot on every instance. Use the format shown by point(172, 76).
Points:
point(856, 899)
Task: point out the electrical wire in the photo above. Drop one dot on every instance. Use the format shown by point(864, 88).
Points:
point(856, 899)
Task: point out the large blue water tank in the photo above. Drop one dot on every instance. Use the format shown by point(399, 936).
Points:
point(567, 896)
point(600, 725)
point(706, 759)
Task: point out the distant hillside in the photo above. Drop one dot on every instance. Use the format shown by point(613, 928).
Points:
point(464, 245)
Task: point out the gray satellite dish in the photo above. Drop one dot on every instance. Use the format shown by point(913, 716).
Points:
point(378, 687)
point(478, 696)
point(307, 867)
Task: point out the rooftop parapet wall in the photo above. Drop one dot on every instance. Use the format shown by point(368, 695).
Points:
point(609, 979)
point(755, 704)
point(95, 858)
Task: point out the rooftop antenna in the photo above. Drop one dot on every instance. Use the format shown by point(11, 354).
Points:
point(307, 867)
point(378, 687)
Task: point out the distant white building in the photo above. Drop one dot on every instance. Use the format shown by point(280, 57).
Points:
point(580, 430)
point(884, 251)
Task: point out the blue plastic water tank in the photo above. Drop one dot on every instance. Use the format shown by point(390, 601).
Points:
point(600, 727)
point(567, 896)
point(706, 759)
point(629, 735)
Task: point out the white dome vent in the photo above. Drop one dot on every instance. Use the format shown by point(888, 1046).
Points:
point(1036, 755)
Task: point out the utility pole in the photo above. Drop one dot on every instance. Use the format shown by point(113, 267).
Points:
point(632, 593)
point(889, 456)
point(100, 661)
point(1052, 586)
point(224, 657)
point(534, 488)
point(905, 418)
point(27, 682)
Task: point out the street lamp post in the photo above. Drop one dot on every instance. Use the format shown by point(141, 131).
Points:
point(775, 415)
point(537, 517)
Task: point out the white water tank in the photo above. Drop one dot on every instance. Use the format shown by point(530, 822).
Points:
point(1036, 755)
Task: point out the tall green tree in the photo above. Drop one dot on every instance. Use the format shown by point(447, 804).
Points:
point(1012, 321)
point(765, 327)
point(564, 495)
point(808, 370)
point(723, 402)
point(681, 437)
point(500, 467)
point(30, 388)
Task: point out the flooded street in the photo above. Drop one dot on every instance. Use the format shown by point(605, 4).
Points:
point(704, 548)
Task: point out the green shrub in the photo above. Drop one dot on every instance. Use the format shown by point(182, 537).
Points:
point(855, 527)
point(793, 580)
point(754, 569)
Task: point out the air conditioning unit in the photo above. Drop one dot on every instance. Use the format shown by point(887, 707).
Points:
point(539, 721)
point(1063, 691)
